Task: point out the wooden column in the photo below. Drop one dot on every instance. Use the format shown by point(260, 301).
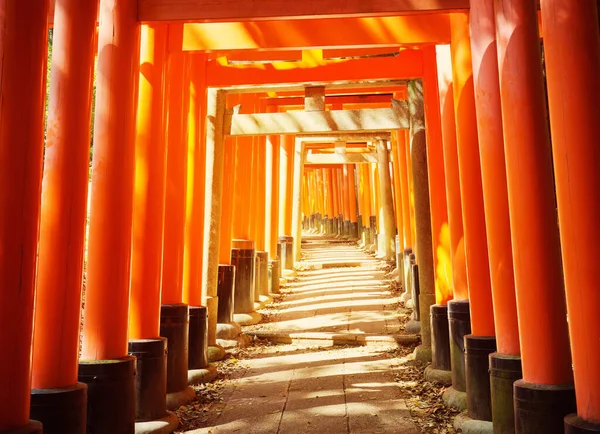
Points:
point(455, 221)
point(404, 185)
point(478, 272)
point(226, 228)
point(23, 43)
point(541, 307)
point(398, 197)
point(177, 162)
point(572, 54)
point(285, 183)
point(272, 196)
point(418, 152)
point(150, 187)
point(196, 177)
point(352, 194)
point(297, 202)
point(493, 172)
point(386, 214)
point(64, 198)
point(106, 314)
point(437, 183)
point(215, 110)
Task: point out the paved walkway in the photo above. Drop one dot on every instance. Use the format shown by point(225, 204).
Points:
point(308, 388)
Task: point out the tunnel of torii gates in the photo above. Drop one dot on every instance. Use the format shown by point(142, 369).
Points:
point(431, 131)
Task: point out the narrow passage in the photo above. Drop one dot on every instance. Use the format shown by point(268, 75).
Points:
point(305, 372)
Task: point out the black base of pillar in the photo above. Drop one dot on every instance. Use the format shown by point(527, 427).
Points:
point(274, 275)
point(440, 338)
point(346, 228)
point(33, 427)
point(61, 411)
point(111, 395)
point(263, 280)
point(243, 260)
point(542, 408)
point(477, 362)
point(416, 291)
point(504, 371)
point(360, 226)
point(151, 378)
point(225, 288)
point(256, 281)
point(353, 230)
point(174, 325)
point(335, 225)
point(373, 229)
point(459, 325)
point(287, 252)
point(198, 338)
point(576, 425)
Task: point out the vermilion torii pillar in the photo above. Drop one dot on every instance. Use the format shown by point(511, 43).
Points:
point(106, 313)
point(458, 308)
point(505, 365)
point(62, 223)
point(148, 229)
point(174, 313)
point(478, 272)
point(23, 43)
point(572, 54)
point(272, 210)
point(545, 395)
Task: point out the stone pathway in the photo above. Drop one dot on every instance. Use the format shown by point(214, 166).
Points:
point(308, 387)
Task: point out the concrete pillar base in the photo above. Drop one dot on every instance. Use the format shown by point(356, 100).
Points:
point(439, 376)
point(504, 371)
point(413, 327)
point(274, 275)
point(111, 394)
point(215, 353)
point(576, 425)
point(33, 427)
point(423, 353)
point(468, 425)
point(151, 378)
point(202, 376)
point(455, 399)
point(542, 408)
point(164, 425)
point(61, 411)
point(182, 397)
point(459, 324)
point(245, 319)
point(477, 356)
point(263, 300)
point(230, 330)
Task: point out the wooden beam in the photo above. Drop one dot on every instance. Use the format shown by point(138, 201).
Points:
point(356, 158)
point(349, 138)
point(242, 10)
point(336, 121)
point(337, 99)
point(328, 34)
point(407, 65)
